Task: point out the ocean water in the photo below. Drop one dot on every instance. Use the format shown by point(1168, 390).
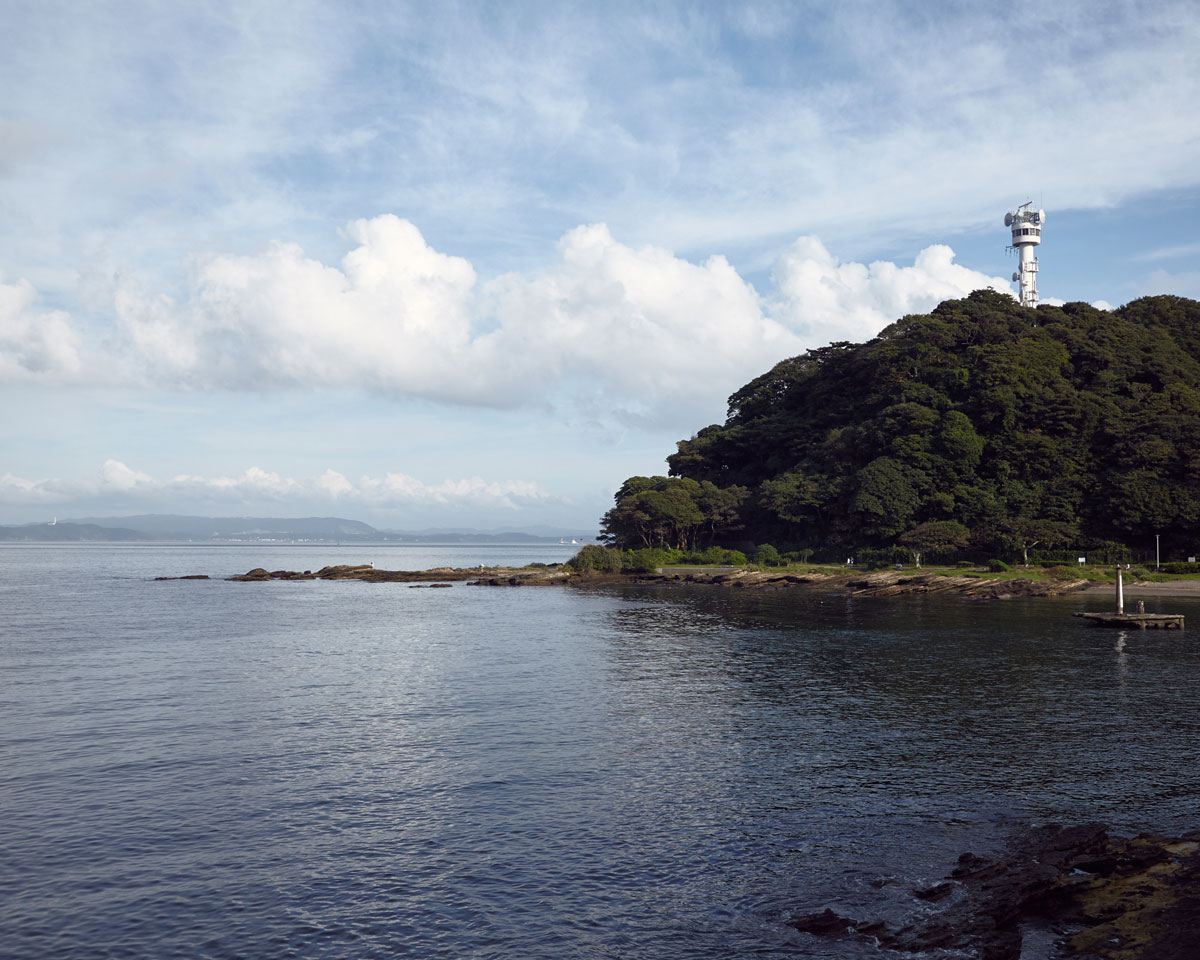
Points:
point(205, 769)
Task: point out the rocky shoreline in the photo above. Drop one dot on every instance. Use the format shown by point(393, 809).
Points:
point(1099, 896)
point(879, 584)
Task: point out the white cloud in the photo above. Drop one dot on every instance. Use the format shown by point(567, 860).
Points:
point(35, 343)
point(1180, 251)
point(334, 484)
point(632, 333)
point(14, 489)
point(1185, 283)
point(398, 489)
point(693, 127)
point(826, 300)
point(115, 476)
point(649, 334)
point(117, 483)
point(394, 318)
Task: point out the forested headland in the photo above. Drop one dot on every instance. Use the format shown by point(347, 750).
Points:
point(981, 429)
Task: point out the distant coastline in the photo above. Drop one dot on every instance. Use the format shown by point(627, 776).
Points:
point(317, 530)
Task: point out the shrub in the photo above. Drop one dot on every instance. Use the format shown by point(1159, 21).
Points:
point(997, 566)
point(1107, 553)
point(1180, 566)
point(600, 559)
point(716, 555)
point(873, 558)
point(768, 556)
point(649, 559)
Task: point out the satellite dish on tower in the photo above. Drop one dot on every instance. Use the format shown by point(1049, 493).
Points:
point(1041, 216)
point(1008, 219)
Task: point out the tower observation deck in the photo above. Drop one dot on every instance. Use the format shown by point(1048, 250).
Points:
point(1026, 226)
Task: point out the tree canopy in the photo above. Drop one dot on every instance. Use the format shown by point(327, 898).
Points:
point(1017, 425)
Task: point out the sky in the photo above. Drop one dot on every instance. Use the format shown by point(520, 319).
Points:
point(473, 264)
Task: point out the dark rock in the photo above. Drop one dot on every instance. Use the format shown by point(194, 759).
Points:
point(1135, 899)
point(258, 573)
point(823, 924)
point(938, 891)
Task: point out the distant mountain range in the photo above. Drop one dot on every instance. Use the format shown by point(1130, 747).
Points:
point(324, 529)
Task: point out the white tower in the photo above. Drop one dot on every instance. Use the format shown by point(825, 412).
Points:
point(1026, 226)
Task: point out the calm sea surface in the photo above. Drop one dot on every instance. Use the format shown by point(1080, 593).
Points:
point(202, 769)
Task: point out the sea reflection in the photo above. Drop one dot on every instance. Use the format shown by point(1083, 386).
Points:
point(936, 706)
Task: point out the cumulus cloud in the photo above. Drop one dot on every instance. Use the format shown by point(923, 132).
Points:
point(116, 482)
point(825, 299)
point(650, 333)
point(118, 477)
point(1185, 283)
point(636, 332)
point(393, 317)
point(34, 343)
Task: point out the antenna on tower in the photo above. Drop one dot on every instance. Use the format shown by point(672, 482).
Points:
point(1026, 224)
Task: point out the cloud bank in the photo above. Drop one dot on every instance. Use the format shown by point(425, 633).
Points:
point(116, 483)
point(634, 331)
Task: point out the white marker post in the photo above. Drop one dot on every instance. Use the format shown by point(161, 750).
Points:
point(1120, 593)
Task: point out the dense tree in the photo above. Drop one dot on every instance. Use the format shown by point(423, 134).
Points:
point(671, 512)
point(934, 536)
point(1052, 426)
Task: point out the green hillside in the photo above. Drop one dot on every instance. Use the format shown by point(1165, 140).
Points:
point(983, 425)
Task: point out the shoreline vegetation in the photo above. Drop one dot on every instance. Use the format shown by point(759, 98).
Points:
point(970, 583)
point(982, 431)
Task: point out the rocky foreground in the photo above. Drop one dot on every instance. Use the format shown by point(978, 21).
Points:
point(880, 584)
point(1103, 897)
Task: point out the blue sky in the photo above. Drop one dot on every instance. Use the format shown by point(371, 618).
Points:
point(474, 264)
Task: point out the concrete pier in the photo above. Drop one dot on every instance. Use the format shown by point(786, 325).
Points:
point(1139, 621)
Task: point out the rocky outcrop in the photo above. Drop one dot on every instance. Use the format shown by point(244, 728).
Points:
point(888, 583)
point(1107, 897)
point(363, 571)
point(892, 583)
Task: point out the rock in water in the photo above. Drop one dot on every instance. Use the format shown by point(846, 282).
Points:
point(1125, 899)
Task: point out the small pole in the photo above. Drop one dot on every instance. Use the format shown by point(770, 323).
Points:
point(1120, 593)
point(1156, 553)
